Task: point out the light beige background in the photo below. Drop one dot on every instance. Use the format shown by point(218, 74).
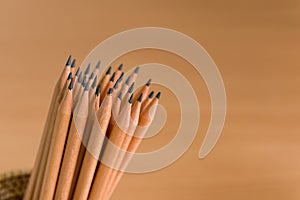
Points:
point(254, 43)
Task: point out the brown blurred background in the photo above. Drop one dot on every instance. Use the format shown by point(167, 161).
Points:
point(255, 45)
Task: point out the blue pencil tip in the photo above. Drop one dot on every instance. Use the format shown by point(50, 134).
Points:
point(158, 95)
point(137, 69)
point(120, 95)
point(121, 77)
point(87, 71)
point(108, 70)
point(148, 82)
point(116, 84)
point(140, 97)
point(73, 63)
point(151, 94)
point(92, 75)
point(98, 64)
point(130, 90)
point(80, 77)
point(110, 91)
point(97, 90)
point(86, 88)
point(120, 67)
point(70, 87)
point(130, 99)
point(94, 82)
point(84, 81)
point(112, 79)
point(127, 81)
point(69, 76)
point(68, 63)
point(77, 72)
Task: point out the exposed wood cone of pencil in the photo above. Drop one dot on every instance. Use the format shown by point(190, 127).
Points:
point(94, 126)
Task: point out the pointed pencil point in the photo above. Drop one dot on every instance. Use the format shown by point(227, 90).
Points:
point(69, 76)
point(137, 69)
point(130, 99)
point(120, 95)
point(70, 87)
point(68, 63)
point(148, 82)
point(110, 91)
point(84, 81)
point(151, 95)
point(87, 71)
point(73, 63)
point(130, 90)
point(121, 77)
point(86, 88)
point(98, 64)
point(158, 95)
point(79, 77)
point(120, 67)
point(94, 82)
point(98, 90)
point(127, 81)
point(77, 72)
point(92, 75)
point(112, 79)
point(108, 70)
point(140, 97)
point(116, 84)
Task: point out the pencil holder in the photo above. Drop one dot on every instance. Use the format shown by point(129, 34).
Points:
point(13, 185)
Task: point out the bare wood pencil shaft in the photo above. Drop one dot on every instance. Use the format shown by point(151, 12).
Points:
point(91, 156)
point(110, 154)
point(72, 149)
point(57, 147)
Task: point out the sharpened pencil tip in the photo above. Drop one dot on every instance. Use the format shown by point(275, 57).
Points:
point(84, 81)
point(68, 63)
point(130, 90)
point(140, 97)
point(86, 88)
point(94, 82)
point(130, 99)
point(110, 91)
point(158, 95)
point(120, 67)
point(148, 82)
point(73, 63)
point(79, 77)
point(137, 69)
point(98, 64)
point(120, 95)
point(127, 81)
point(98, 90)
point(87, 71)
point(108, 71)
point(112, 79)
point(92, 75)
point(70, 87)
point(116, 84)
point(121, 77)
point(77, 72)
point(69, 76)
point(151, 95)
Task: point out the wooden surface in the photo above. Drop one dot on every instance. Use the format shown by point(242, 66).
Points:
point(255, 45)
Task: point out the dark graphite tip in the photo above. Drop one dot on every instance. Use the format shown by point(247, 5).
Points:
point(130, 99)
point(84, 81)
point(94, 82)
point(71, 85)
point(77, 72)
point(140, 97)
point(108, 70)
point(116, 84)
point(158, 95)
point(130, 90)
point(92, 75)
point(120, 67)
point(120, 95)
point(151, 94)
point(86, 88)
point(121, 77)
point(110, 91)
point(69, 76)
point(87, 71)
point(148, 82)
point(80, 77)
point(97, 90)
point(68, 63)
point(98, 64)
point(112, 79)
point(127, 81)
point(137, 69)
point(73, 63)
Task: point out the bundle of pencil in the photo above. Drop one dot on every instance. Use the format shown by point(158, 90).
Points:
point(84, 111)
